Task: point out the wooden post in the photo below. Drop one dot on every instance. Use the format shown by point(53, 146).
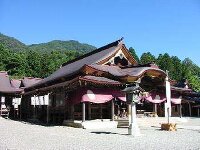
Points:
point(34, 112)
point(65, 111)
point(101, 111)
point(89, 111)
point(47, 114)
point(180, 110)
point(155, 108)
point(190, 110)
point(1, 105)
point(118, 111)
point(20, 110)
point(20, 115)
point(83, 112)
point(129, 114)
point(198, 112)
point(1, 109)
point(72, 112)
point(112, 110)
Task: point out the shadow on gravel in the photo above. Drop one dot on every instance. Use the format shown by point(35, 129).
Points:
point(157, 128)
point(190, 129)
point(35, 122)
point(102, 132)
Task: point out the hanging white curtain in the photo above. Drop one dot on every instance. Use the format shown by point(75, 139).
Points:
point(33, 100)
point(19, 101)
point(2, 99)
point(15, 102)
point(3, 102)
point(41, 100)
point(37, 100)
point(46, 99)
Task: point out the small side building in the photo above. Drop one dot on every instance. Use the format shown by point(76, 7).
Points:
point(8, 91)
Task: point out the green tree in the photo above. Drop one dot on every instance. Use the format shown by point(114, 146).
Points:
point(34, 67)
point(147, 58)
point(133, 53)
point(191, 72)
point(188, 63)
point(16, 65)
point(194, 81)
point(2, 67)
point(51, 62)
point(4, 57)
point(165, 63)
point(177, 69)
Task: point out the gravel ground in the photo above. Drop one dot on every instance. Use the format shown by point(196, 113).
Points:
point(21, 135)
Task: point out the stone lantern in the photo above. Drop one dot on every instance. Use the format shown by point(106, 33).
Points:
point(133, 92)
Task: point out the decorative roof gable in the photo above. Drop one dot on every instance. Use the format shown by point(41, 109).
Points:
point(121, 57)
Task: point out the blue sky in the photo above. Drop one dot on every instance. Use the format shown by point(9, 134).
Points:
point(158, 26)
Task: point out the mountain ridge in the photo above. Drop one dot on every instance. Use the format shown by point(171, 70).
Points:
point(14, 44)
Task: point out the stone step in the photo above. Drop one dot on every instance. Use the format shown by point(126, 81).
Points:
point(122, 123)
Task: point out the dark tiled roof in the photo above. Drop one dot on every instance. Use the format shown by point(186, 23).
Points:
point(5, 85)
point(113, 44)
point(29, 81)
point(117, 71)
point(89, 79)
point(16, 83)
point(75, 65)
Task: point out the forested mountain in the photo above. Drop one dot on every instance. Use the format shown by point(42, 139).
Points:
point(15, 45)
point(37, 60)
point(58, 45)
point(11, 43)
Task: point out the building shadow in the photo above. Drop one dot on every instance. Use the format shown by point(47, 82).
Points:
point(103, 132)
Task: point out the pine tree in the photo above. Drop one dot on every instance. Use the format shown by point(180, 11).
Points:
point(133, 53)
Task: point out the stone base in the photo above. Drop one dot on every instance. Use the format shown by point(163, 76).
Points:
point(168, 126)
point(91, 124)
point(134, 130)
point(72, 123)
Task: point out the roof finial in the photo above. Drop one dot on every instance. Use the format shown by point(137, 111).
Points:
point(121, 39)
